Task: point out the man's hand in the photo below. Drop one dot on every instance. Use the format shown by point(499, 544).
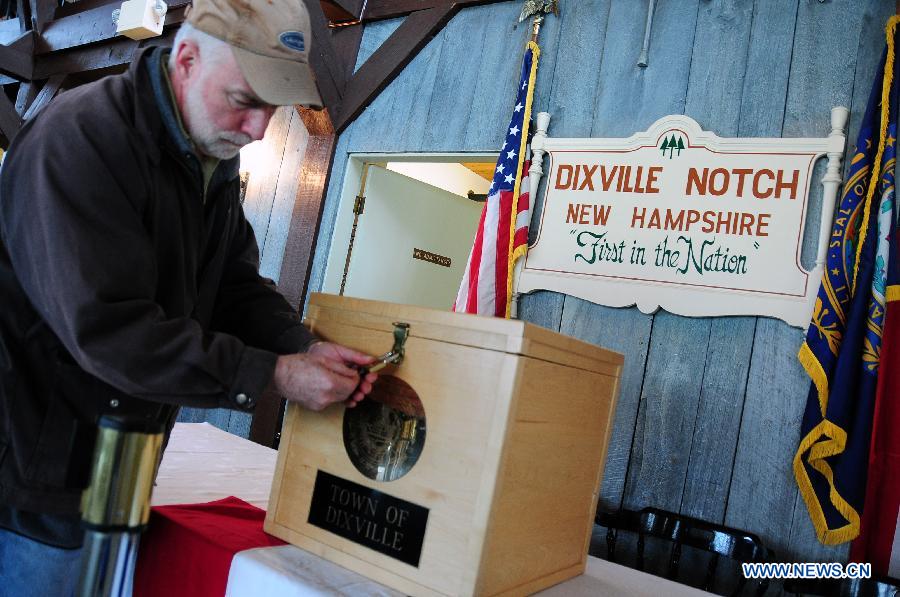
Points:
point(326, 374)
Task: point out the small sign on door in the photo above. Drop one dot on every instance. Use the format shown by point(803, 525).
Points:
point(431, 257)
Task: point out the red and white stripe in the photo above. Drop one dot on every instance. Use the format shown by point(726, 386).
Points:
point(485, 283)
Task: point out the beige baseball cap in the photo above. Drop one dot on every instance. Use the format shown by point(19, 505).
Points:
point(271, 40)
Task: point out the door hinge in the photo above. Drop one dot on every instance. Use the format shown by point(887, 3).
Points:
point(359, 206)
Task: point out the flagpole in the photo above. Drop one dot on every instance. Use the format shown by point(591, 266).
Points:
point(536, 24)
point(519, 264)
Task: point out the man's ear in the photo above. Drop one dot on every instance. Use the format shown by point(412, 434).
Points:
point(187, 61)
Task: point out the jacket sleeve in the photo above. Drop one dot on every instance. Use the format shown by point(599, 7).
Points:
point(248, 305)
point(71, 220)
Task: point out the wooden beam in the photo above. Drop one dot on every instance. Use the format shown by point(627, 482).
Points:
point(346, 41)
point(323, 59)
point(339, 11)
point(42, 12)
point(48, 92)
point(115, 53)
point(92, 26)
point(70, 8)
point(16, 58)
point(312, 184)
point(23, 12)
point(10, 121)
point(386, 63)
point(25, 95)
point(390, 9)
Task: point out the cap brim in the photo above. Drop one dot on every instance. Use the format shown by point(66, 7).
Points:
point(277, 81)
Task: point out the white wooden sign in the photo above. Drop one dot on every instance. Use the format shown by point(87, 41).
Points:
point(679, 218)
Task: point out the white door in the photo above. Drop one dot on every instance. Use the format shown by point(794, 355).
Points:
point(412, 242)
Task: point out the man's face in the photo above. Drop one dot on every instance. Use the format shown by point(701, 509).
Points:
point(220, 111)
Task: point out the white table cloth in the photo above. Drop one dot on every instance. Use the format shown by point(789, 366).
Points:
point(203, 463)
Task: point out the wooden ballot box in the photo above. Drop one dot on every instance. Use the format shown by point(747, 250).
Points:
point(474, 466)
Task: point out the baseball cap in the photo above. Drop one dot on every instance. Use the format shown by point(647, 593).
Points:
point(271, 41)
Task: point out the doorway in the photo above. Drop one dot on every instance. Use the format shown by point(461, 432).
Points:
point(408, 238)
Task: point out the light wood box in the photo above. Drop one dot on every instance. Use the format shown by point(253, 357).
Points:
point(518, 420)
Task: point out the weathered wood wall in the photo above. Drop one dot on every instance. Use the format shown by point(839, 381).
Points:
point(709, 412)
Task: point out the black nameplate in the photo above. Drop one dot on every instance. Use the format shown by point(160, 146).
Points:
point(369, 517)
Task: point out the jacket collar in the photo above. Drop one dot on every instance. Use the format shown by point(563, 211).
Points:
point(171, 121)
point(167, 110)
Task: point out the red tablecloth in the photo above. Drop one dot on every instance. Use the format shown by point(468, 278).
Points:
point(187, 549)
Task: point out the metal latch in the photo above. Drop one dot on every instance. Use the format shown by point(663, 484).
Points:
point(395, 356)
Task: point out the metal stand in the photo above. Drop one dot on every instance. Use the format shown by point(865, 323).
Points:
point(116, 505)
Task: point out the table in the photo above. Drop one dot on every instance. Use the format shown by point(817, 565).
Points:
point(203, 463)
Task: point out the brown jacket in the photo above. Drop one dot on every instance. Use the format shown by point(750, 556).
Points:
point(123, 292)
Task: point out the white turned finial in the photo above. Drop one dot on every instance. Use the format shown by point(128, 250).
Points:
point(839, 116)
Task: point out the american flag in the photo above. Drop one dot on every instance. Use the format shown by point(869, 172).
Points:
point(502, 234)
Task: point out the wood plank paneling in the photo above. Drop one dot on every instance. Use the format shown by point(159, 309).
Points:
point(720, 57)
point(709, 410)
point(498, 71)
point(757, 492)
point(641, 95)
point(444, 126)
point(272, 246)
point(260, 195)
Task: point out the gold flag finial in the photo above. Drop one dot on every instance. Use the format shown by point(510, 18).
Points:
point(539, 7)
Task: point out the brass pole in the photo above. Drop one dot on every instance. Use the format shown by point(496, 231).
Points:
point(536, 24)
point(116, 505)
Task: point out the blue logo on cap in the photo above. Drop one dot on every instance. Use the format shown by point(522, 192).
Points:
point(293, 40)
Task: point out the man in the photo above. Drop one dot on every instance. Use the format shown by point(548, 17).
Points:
point(129, 275)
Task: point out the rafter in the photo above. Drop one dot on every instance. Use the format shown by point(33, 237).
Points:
point(47, 93)
point(386, 63)
point(42, 12)
point(92, 26)
point(390, 9)
point(23, 15)
point(342, 10)
point(16, 58)
point(25, 95)
point(330, 74)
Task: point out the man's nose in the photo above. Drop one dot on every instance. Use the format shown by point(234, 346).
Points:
point(257, 121)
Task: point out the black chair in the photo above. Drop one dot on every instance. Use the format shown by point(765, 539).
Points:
point(720, 541)
point(878, 586)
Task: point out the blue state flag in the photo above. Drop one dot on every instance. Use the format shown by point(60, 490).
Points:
point(841, 352)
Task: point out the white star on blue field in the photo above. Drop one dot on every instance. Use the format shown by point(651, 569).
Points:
point(508, 162)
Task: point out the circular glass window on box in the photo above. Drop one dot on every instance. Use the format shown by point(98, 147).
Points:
point(385, 433)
